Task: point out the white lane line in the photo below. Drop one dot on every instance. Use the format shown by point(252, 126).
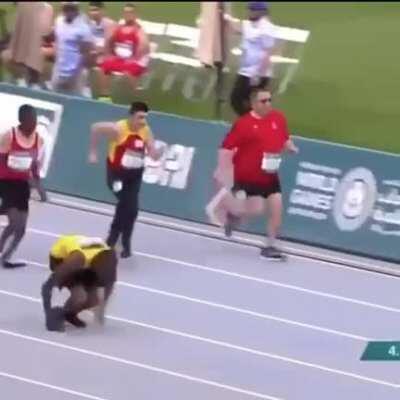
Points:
point(269, 282)
point(231, 308)
point(309, 255)
point(249, 278)
point(48, 386)
point(226, 345)
point(20, 296)
point(246, 312)
point(147, 367)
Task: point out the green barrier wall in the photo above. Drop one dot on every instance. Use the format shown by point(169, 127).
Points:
point(335, 196)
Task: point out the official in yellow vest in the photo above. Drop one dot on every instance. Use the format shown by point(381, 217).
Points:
point(81, 264)
point(129, 142)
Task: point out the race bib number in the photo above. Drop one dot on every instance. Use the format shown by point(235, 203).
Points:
point(271, 163)
point(19, 162)
point(123, 50)
point(132, 160)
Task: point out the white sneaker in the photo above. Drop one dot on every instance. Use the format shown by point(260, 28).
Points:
point(213, 205)
point(21, 83)
point(35, 86)
point(87, 92)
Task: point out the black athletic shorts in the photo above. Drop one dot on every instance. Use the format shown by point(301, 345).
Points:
point(102, 271)
point(14, 193)
point(252, 189)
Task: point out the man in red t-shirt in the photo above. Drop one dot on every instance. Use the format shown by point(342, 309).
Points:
point(248, 164)
point(128, 51)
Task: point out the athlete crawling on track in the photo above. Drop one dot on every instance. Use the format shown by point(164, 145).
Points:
point(83, 265)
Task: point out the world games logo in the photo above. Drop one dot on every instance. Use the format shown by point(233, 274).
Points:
point(355, 199)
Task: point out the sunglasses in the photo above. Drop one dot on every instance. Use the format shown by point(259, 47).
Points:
point(264, 101)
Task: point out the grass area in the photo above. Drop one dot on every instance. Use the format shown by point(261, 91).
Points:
point(346, 89)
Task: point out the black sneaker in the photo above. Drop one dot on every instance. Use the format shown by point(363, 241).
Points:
point(55, 319)
point(74, 320)
point(126, 253)
point(272, 253)
point(112, 239)
point(13, 264)
point(232, 222)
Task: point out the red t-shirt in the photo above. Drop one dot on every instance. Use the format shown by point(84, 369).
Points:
point(251, 137)
point(126, 40)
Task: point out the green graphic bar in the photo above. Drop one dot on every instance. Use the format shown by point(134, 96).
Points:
point(382, 351)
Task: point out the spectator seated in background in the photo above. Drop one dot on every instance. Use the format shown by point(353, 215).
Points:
point(101, 26)
point(128, 51)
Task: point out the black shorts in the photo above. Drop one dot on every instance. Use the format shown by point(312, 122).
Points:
point(14, 194)
point(131, 182)
point(101, 273)
point(252, 189)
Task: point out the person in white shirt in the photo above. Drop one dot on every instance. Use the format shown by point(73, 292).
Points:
point(255, 67)
point(74, 50)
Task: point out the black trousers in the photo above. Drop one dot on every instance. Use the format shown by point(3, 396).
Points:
point(240, 95)
point(127, 208)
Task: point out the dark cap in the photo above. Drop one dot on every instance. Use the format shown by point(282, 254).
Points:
point(257, 6)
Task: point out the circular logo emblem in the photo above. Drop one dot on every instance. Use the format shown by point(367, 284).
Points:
point(355, 199)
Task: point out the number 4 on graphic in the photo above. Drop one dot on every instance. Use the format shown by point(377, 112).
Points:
point(393, 351)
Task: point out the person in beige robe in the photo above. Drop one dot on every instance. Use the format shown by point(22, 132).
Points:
point(34, 20)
